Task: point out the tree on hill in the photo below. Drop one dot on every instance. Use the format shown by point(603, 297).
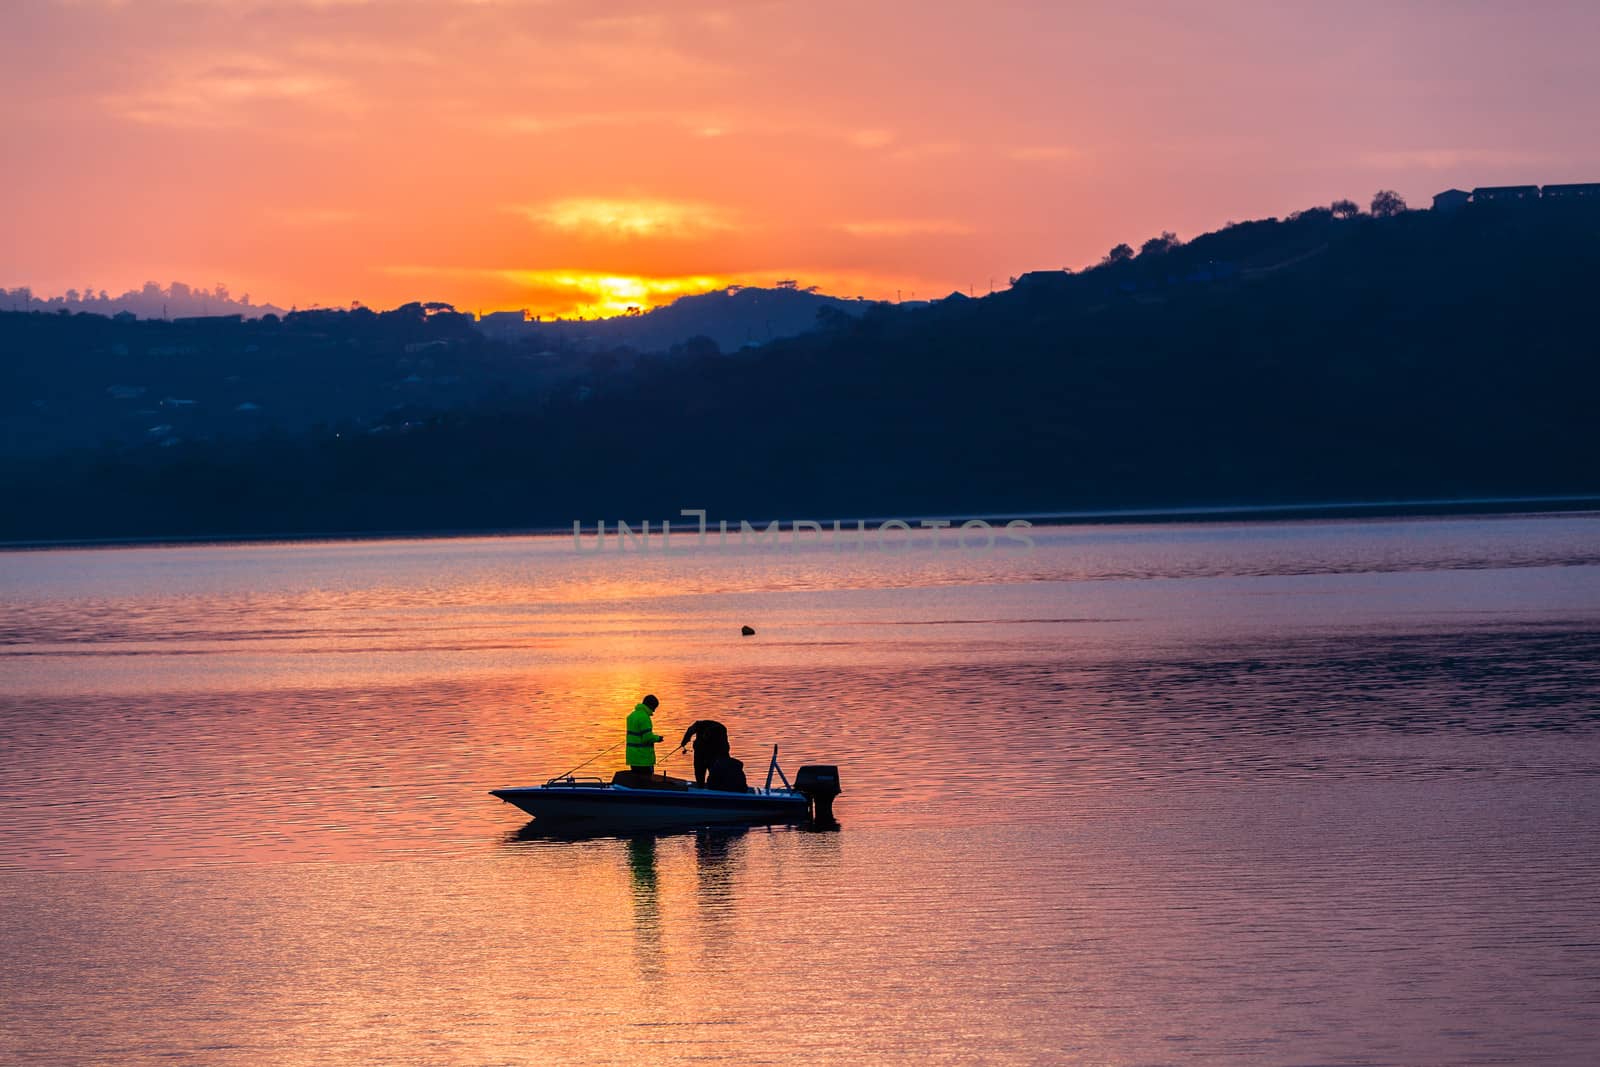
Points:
point(1387, 203)
point(1344, 209)
point(1157, 245)
point(1120, 254)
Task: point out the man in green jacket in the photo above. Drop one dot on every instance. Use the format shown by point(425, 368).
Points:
point(642, 737)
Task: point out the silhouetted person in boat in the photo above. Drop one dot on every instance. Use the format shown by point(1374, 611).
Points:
point(642, 737)
point(727, 775)
point(710, 744)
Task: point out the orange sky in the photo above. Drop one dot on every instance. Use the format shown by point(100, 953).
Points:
point(519, 153)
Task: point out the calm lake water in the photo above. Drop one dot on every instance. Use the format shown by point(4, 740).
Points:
point(1299, 792)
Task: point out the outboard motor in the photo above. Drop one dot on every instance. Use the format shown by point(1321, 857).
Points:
point(819, 784)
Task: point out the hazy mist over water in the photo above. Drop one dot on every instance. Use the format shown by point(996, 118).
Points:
point(1286, 792)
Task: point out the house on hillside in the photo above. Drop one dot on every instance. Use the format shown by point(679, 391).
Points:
point(504, 318)
point(1576, 191)
point(1042, 280)
point(1451, 199)
point(1485, 194)
point(504, 325)
point(208, 320)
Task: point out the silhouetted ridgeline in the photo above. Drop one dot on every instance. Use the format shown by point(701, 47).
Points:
point(152, 301)
point(729, 319)
point(1420, 355)
point(75, 380)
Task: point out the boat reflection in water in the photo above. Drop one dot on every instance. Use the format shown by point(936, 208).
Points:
point(645, 877)
point(718, 857)
point(716, 853)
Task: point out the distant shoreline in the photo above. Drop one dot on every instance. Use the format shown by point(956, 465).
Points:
point(1344, 509)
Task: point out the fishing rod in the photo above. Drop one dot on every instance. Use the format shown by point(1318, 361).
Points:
point(613, 748)
point(591, 759)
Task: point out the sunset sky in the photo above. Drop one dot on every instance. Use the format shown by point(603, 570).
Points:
point(569, 157)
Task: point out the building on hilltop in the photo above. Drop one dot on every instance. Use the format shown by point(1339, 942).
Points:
point(501, 318)
point(1455, 199)
point(1498, 193)
point(208, 320)
point(1575, 191)
point(504, 325)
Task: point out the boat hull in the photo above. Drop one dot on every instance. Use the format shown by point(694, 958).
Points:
point(651, 808)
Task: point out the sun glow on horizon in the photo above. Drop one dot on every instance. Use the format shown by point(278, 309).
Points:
point(596, 295)
point(578, 293)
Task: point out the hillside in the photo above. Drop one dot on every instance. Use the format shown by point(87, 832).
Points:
point(730, 319)
point(152, 301)
point(78, 380)
point(1315, 358)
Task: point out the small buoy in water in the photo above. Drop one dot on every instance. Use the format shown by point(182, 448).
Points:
point(745, 631)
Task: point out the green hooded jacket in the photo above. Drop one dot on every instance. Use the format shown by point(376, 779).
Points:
point(642, 738)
